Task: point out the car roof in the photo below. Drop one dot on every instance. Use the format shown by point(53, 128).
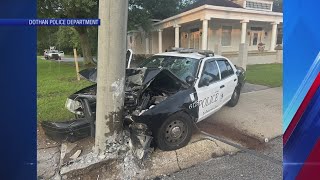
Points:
point(193, 55)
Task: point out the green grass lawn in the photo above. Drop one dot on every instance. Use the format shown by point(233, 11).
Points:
point(265, 74)
point(56, 81)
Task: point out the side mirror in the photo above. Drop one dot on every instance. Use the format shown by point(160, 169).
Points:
point(205, 82)
point(238, 72)
point(190, 80)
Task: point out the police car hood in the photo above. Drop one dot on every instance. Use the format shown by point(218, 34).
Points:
point(138, 76)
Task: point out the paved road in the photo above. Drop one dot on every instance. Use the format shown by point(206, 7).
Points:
point(242, 166)
point(252, 87)
point(80, 59)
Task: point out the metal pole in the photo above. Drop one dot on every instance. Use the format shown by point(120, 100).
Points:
point(111, 72)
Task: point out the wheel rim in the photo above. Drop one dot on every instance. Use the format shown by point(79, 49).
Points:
point(176, 132)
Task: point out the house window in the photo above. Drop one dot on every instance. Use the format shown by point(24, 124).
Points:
point(226, 35)
point(279, 36)
point(257, 5)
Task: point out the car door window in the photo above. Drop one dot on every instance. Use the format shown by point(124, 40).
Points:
point(225, 68)
point(229, 68)
point(210, 72)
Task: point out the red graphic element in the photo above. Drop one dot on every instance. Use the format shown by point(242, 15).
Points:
point(301, 110)
point(310, 169)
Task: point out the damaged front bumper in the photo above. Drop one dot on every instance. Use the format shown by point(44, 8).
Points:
point(67, 131)
point(76, 129)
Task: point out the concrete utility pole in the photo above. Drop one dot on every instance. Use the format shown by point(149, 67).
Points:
point(112, 35)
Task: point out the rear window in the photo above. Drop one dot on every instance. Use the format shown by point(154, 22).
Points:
point(225, 68)
point(210, 72)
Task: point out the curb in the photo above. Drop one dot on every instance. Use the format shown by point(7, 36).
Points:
point(167, 162)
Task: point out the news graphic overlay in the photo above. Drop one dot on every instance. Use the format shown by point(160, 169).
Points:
point(301, 95)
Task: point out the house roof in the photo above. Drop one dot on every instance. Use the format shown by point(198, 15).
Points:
point(220, 5)
point(224, 3)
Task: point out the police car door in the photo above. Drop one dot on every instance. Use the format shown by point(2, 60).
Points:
point(229, 79)
point(208, 89)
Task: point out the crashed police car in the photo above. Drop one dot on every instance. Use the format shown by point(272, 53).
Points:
point(168, 93)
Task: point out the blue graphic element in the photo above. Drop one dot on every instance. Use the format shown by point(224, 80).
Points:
point(18, 92)
point(301, 47)
point(303, 139)
point(301, 93)
point(301, 63)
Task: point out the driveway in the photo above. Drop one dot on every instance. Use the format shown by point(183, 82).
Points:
point(256, 118)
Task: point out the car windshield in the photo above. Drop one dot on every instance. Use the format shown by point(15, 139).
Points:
point(182, 67)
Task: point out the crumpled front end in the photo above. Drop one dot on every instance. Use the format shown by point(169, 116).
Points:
point(145, 89)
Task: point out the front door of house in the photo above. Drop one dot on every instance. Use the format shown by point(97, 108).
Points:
point(195, 40)
point(255, 38)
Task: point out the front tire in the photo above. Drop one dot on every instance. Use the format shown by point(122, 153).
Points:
point(175, 132)
point(235, 98)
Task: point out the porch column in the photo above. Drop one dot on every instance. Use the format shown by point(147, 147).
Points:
point(273, 36)
point(244, 31)
point(176, 36)
point(160, 40)
point(205, 34)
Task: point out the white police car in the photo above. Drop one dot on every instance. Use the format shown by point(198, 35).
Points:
point(167, 94)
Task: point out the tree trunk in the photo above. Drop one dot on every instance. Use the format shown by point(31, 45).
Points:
point(85, 45)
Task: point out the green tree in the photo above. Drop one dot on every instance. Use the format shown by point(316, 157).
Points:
point(72, 9)
point(142, 11)
point(67, 39)
point(85, 38)
point(46, 37)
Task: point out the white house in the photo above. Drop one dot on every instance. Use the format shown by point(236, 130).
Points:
point(218, 25)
